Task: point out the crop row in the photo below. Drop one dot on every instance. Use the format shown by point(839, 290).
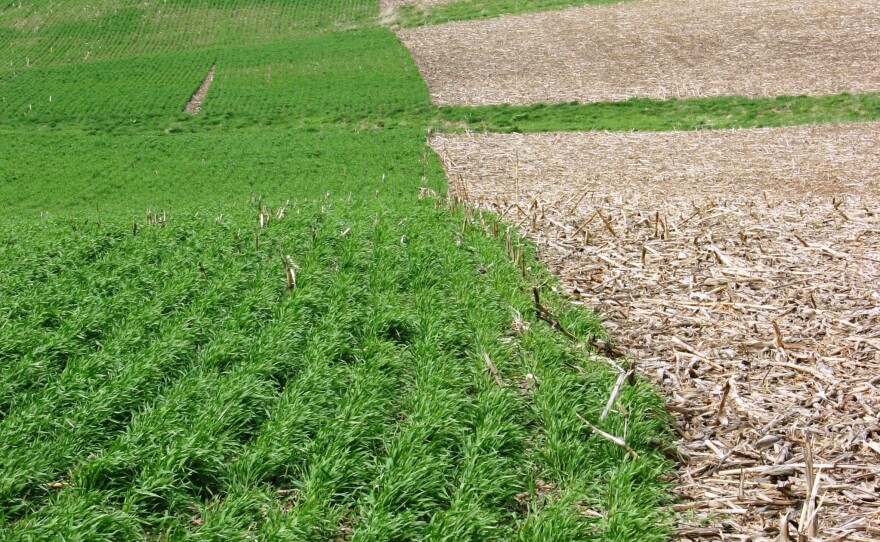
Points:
point(60, 32)
point(113, 64)
point(329, 77)
point(352, 402)
point(116, 91)
point(130, 172)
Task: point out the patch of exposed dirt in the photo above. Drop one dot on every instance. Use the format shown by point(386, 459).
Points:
point(656, 49)
point(741, 271)
point(195, 103)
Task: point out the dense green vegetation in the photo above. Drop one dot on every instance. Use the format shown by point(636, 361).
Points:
point(325, 79)
point(41, 33)
point(145, 90)
point(170, 379)
point(247, 324)
point(462, 10)
point(68, 171)
point(645, 114)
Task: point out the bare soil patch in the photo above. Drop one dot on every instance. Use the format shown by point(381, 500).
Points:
point(195, 103)
point(656, 49)
point(741, 271)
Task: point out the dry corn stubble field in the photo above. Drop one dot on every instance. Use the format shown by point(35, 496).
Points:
point(654, 49)
point(740, 270)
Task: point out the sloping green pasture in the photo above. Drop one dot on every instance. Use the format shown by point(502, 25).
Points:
point(175, 367)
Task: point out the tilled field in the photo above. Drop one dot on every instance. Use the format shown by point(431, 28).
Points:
point(741, 271)
point(656, 49)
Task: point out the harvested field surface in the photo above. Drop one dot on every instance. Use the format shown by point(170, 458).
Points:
point(740, 270)
point(655, 49)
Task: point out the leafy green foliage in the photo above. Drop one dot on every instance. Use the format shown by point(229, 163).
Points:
point(329, 78)
point(102, 173)
point(113, 92)
point(42, 33)
point(110, 63)
point(357, 402)
point(462, 10)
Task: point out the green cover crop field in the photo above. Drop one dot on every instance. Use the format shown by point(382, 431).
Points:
point(135, 172)
point(171, 384)
point(265, 321)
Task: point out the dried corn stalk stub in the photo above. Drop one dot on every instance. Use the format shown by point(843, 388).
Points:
point(739, 263)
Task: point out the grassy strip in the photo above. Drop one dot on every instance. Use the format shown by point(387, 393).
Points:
point(638, 114)
point(357, 80)
point(41, 34)
point(463, 10)
point(660, 115)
